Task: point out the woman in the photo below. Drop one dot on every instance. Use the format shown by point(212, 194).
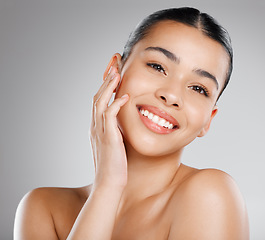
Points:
point(174, 68)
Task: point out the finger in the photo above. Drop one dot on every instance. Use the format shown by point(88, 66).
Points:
point(110, 65)
point(98, 95)
point(105, 83)
point(102, 104)
point(107, 93)
point(110, 115)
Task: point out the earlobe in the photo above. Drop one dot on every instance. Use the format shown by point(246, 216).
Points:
point(207, 126)
point(115, 61)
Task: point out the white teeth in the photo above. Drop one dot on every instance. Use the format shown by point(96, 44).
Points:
point(155, 119)
point(162, 122)
point(158, 120)
point(150, 116)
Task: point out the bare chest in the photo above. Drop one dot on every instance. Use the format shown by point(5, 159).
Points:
point(150, 219)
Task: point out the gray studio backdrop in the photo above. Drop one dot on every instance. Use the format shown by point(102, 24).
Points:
point(52, 57)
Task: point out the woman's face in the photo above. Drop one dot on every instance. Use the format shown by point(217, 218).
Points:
point(173, 78)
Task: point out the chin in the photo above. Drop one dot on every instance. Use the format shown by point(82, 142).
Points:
point(150, 147)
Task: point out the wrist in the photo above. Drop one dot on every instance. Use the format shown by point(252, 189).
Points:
point(107, 188)
point(107, 183)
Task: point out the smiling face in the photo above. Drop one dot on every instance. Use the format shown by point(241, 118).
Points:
point(173, 77)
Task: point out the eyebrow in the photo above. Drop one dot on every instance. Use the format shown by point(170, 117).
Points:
point(167, 53)
point(174, 58)
point(206, 74)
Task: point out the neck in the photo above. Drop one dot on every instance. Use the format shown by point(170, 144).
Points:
point(149, 175)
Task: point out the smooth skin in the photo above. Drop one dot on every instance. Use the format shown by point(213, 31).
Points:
point(141, 188)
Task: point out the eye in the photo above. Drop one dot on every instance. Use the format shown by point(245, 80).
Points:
point(200, 90)
point(157, 67)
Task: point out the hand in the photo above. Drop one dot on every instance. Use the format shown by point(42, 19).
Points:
point(106, 139)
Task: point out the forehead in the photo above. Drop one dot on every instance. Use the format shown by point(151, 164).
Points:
point(175, 33)
point(190, 44)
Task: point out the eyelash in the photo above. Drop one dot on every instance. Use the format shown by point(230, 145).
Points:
point(200, 90)
point(196, 88)
point(157, 67)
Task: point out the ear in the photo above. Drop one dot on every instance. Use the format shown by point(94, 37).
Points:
point(115, 61)
point(207, 126)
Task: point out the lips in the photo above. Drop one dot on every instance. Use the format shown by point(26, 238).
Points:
point(157, 120)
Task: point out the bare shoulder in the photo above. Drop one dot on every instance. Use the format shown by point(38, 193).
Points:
point(209, 205)
point(45, 213)
point(211, 181)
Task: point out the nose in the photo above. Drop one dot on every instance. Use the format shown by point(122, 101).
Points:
point(170, 97)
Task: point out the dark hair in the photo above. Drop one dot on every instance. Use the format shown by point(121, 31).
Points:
point(189, 16)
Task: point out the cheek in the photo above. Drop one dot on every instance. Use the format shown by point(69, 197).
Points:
point(126, 86)
point(133, 84)
point(198, 115)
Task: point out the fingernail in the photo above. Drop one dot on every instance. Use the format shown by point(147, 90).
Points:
point(125, 95)
point(113, 76)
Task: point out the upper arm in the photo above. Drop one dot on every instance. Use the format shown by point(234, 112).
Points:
point(210, 207)
point(33, 218)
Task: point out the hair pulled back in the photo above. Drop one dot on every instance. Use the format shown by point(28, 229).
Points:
point(191, 17)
